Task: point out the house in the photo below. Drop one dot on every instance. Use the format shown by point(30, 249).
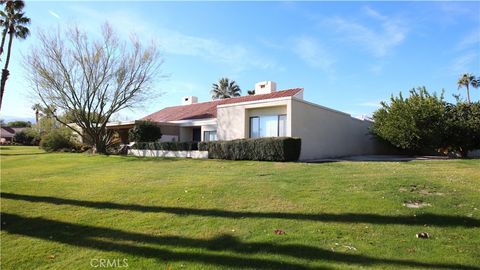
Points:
point(269, 112)
point(7, 134)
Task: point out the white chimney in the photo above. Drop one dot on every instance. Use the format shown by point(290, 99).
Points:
point(265, 87)
point(189, 100)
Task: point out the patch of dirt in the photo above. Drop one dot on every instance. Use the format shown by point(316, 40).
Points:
point(424, 191)
point(416, 204)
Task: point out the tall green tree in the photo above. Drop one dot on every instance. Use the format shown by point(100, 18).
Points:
point(20, 124)
point(462, 127)
point(467, 80)
point(14, 24)
point(414, 123)
point(225, 88)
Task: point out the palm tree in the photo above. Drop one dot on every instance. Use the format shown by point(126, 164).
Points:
point(225, 89)
point(37, 108)
point(4, 26)
point(466, 81)
point(476, 82)
point(14, 23)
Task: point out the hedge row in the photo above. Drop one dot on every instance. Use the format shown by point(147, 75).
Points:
point(168, 146)
point(268, 149)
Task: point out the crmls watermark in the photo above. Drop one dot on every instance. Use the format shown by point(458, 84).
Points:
point(108, 263)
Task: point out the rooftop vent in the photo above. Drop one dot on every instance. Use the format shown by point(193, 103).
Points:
point(189, 100)
point(265, 87)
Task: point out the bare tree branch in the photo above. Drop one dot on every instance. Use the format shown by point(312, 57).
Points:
point(91, 79)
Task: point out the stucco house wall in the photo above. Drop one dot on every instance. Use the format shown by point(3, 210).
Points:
point(233, 120)
point(328, 133)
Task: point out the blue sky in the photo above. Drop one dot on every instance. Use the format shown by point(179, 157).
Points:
point(347, 55)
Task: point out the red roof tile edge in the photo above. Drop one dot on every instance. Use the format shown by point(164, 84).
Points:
point(208, 109)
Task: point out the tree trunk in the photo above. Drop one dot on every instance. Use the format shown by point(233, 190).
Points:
point(468, 95)
point(100, 147)
point(5, 71)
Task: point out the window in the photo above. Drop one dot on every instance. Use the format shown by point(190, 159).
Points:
point(268, 126)
point(282, 125)
point(209, 136)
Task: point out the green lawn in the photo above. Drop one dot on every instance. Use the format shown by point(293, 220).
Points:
point(61, 210)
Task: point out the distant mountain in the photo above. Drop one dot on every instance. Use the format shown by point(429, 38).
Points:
point(9, 118)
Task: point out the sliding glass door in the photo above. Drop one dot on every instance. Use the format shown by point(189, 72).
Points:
point(268, 126)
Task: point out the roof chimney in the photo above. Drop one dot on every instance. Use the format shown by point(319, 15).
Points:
point(189, 100)
point(265, 87)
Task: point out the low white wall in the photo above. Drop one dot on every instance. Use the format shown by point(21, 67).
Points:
point(164, 153)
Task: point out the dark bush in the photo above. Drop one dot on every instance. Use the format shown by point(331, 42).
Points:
point(57, 140)
point(26, 138)
point(145, 131)
point(268, 149)
point(169, 146)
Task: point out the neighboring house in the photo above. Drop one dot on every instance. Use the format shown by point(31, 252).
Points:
point(268, 113)
point(7, 134)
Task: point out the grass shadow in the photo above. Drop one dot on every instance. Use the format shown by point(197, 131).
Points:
point(421, 219)
point(23, 154)
point(114, 240)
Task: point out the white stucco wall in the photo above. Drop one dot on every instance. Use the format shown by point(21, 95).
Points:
point(233, 120)
point(328, 133)
point(324, 132)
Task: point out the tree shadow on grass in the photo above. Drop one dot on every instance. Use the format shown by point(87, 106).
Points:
point(421, 219)
point(106, 239)
point(22, 154)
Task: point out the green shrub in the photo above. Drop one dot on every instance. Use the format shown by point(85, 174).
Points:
point(415, 123)
point(57, 140)
point(145, 131)
point(27, 137)
point(267, 149)
point(168, 146)
point(462, 129)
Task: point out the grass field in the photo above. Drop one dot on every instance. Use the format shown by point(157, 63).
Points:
point(74, 211)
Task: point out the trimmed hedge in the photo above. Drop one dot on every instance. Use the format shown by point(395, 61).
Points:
point(167, 146)
point(267, 149)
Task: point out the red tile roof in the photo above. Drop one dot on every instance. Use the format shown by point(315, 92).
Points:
point(7, 132)
point(208, 109)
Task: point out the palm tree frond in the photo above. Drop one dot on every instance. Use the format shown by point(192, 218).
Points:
point(22, 32)
point(225, 88)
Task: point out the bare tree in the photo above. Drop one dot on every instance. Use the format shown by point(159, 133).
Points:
point(91, 79)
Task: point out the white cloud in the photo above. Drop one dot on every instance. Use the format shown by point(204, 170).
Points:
point(313, 53)
point(54, 14)
point(380, 40)
point(466, 63)
point(235, 55)
point(374, 14)
point(211, 49)
point(470, 40)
